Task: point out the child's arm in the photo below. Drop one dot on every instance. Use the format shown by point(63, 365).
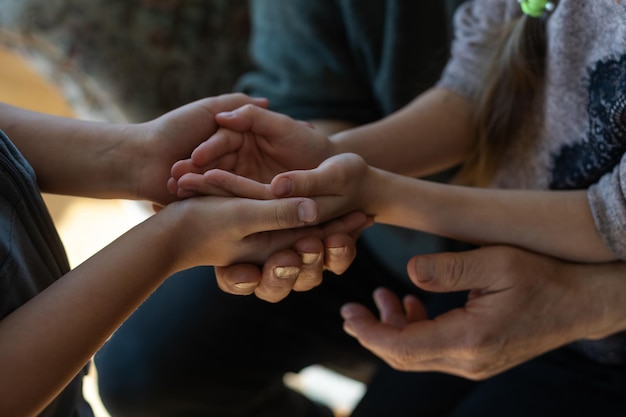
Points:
point(430, 134)
point(48, 340)
point(556, 223)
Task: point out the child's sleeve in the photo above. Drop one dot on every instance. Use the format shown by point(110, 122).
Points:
point(607, 200)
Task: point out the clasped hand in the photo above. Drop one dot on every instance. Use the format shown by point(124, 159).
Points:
point(520, 305)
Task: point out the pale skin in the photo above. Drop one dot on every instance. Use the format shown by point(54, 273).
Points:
point(542, 294)
point(87, 304)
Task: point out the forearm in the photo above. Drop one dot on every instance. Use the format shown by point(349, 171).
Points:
point(602, 298)
point(71, 156)
point(432, 133)
point(556, 223)
point(46, 342)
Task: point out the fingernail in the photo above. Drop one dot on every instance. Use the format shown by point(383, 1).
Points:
point(282, 187)
point(286, 272)
point(423, 270)
point(309, 258)
point(226, 114)
point(307, 211)
point(345, 312)
point(336, 251)
point(245, 286)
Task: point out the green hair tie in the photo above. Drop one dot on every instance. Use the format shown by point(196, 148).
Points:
point(536, 8)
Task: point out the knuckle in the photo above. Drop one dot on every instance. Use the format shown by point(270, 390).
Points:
point(284, 217)
point(247, 109)
point(447, 268)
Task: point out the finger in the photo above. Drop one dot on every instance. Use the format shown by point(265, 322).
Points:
point(414, 309)
point(311, 252)
point(223, 183)
point(183, 167)
point(390, 308)
point(172, 186)
point(278, 280)
point(357, 319)
point(458, 271)
point(330, 178)
point(240, 279)
point(340, 251)
point(233, 101)
point(218, 150)
point(257, 120)
point(191, 185)
point(349, 223)
point(420, 341)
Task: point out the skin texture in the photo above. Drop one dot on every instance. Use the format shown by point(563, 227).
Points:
point(521, 304)
point(134, 161)
point(535, 220)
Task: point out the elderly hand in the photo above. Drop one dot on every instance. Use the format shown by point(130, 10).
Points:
point(520, 305)
point(299, 268)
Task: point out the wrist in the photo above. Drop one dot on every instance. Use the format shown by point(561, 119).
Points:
point(170, 227)
point(131, 160)
point(603, 290)
point(378, 192)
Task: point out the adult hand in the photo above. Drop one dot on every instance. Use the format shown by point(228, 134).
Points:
point(172, 137)
point(258, 144)
point(299, 268)
point(520, 305)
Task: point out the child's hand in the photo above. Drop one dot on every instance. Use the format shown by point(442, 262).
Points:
point(257, 144)
point(340, 185)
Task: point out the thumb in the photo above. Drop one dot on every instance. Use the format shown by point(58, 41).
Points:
point(269, 215)
point(455, 271)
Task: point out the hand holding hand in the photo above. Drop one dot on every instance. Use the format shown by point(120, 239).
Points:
point(340, 184)
point(258, 144)
point(224, 231)
point(520, 305)
point(299, 268)
point(172, 137)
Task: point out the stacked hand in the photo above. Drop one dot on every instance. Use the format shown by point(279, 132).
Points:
point(520, 304)
point(228, 152)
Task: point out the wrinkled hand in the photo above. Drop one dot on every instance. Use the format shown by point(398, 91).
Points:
point(172, 137)
point(258, 144)
point(299, 268)
point(520, 305)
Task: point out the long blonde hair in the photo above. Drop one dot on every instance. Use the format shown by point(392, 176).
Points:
point(512, 83)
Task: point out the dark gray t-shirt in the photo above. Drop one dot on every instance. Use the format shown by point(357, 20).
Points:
point(31, 256)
